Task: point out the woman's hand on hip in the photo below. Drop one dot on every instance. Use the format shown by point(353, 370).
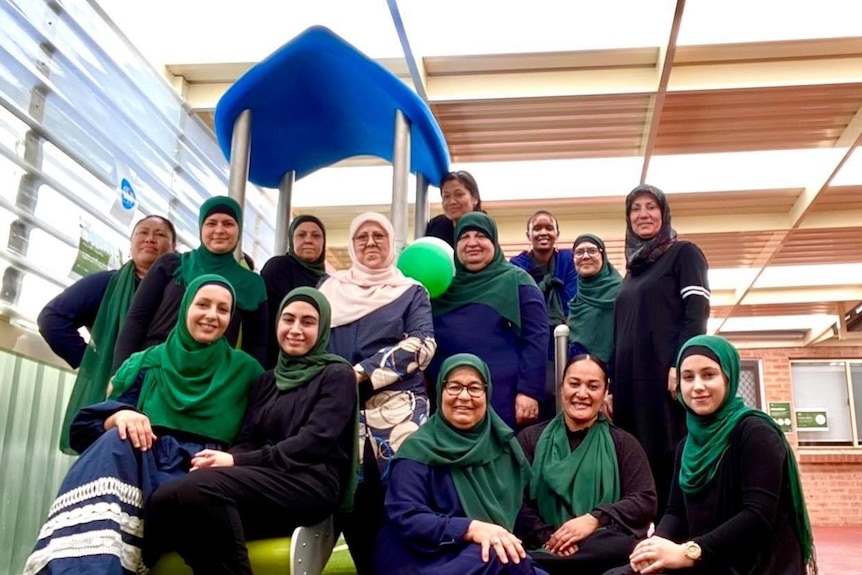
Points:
point(488, 535)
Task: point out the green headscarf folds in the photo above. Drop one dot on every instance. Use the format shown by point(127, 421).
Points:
point(190, 386)
point(318, 266)
point(495, 286)
point(488, 466)
point(550, 286)
point(568, 483)
point(709, 437)
point(591, 311)
point(250, 289)
point(91, 384)
point(293, 371)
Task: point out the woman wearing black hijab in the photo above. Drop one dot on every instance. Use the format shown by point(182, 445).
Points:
point(662, 303)
point(302, 266)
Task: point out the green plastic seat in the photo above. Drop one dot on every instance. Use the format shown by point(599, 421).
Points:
point(304, 553)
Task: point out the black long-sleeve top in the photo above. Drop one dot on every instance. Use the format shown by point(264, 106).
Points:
point(73, 308)
point(309, 428)
point(658, 308)
point(632, 514)
point(156, 307)
point(743, 519)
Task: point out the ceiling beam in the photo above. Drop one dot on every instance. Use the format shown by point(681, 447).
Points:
point(801, 208)
point(664, 65)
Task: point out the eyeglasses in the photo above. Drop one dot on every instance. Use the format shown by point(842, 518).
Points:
point(365, 239)
point(454, 389)
point(587, 253)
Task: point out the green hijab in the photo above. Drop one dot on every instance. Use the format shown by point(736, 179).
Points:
point(250, 289)
point(709, 436)
point(591, 311)
point(318, 266)
point(495, 286)
point(293, 371)
point(91, 384)
point(568, 483)
point(488, 466)
point(190, 386)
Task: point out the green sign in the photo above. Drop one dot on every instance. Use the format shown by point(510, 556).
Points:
point(780, 412)
point(811, 420)
point(95, 254)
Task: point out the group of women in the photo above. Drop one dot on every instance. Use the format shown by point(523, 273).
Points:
point(210, 451)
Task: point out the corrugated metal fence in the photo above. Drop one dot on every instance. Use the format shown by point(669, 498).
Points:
point(32, 399)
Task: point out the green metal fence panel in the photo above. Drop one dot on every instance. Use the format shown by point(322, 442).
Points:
point(32, 401)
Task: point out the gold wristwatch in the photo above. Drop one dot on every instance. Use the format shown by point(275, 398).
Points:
point(691, 550)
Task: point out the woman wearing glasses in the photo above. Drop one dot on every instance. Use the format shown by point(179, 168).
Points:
point(381, 324)
point(663, 302)
point(460, 194)
point(456, 486)
point(591, 311)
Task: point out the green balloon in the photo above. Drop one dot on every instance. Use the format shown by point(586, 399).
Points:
point(428, 263)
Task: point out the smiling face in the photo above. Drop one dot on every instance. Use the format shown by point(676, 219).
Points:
point(542, 232)
point(151, 238)
point(475, 250)
point(209, 313)
point(219, 233)
point(702, 384)
point(298, 327)
point(457, 200)
point(308, 241)
point(371, 244)
point(462, 410)
point(588, 259)
point(582, 393)
point(645, 216)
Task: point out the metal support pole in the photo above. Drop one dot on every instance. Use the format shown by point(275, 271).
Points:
point(240, 149)
point(282, 214)
point(422, 209)
point(400, 175)
point(561, 357)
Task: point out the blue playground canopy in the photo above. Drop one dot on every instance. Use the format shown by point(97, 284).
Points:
point(317, 100)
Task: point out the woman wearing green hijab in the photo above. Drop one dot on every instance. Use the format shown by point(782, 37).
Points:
point(495, 310)
point(153, 311)
point(456, 486)
point(736, 503)
point(304, 264)
point(167, 404)
point(592, 496)
point(292, 464)
point(591, 311)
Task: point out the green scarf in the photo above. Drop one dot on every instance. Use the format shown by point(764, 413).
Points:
point(292, 372)
point(190, 386)
point(318, 266)
point(496, 285)
point(550, 286)
point(488, 466)
point(709, 437)
point(568, 483)
point(250, 289)
point(91, 384)
point(591, 311)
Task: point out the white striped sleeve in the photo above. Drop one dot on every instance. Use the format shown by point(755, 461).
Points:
point(694, 290)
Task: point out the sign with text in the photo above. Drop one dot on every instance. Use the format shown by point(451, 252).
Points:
point(779, 411)
point(812, 420)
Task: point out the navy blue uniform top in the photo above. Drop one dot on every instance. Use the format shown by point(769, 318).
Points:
point(75, 307)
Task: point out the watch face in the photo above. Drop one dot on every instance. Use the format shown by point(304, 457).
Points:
point(692, 550)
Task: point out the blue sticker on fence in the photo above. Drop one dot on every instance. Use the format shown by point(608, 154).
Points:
point(127, 195)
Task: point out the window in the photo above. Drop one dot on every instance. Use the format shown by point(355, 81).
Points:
point(827, 401)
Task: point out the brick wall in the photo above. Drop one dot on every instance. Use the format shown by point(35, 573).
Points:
point(831, 478)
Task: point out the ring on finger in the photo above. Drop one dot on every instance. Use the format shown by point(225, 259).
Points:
point(495, 541)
